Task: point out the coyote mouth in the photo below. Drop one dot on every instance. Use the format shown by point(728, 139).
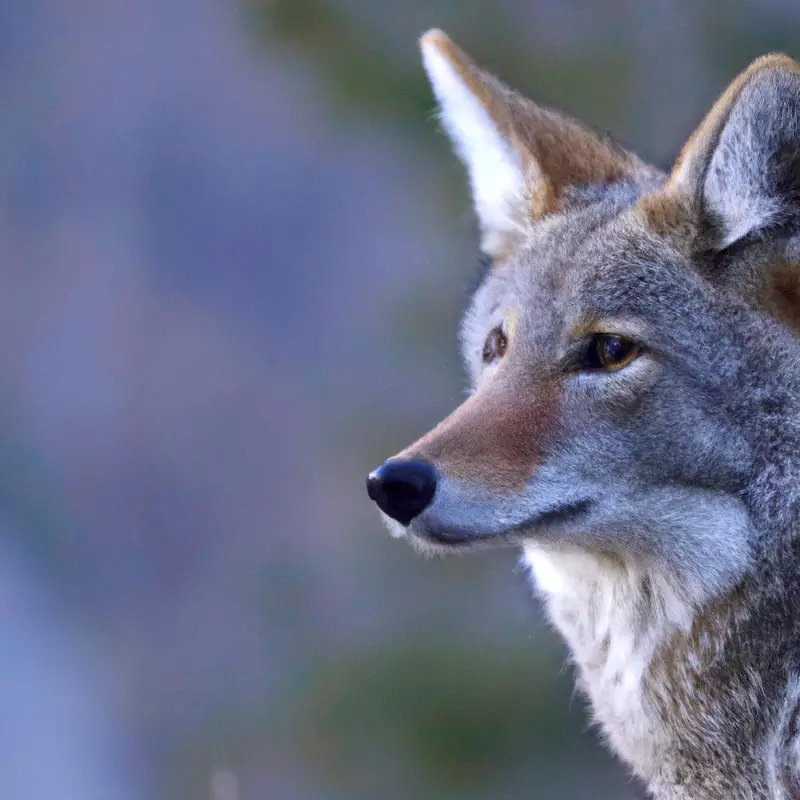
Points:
point(454, 535)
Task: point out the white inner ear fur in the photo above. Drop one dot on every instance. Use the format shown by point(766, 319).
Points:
point(740, 202)
point(495, 169)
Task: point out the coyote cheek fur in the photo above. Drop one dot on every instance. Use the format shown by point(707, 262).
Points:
point(634, 420)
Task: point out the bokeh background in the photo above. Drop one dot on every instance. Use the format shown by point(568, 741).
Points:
point(233, 251)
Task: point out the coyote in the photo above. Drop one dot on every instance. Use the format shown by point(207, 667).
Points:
point(634, 419)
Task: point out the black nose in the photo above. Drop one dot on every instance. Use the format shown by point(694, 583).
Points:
point(402, 488)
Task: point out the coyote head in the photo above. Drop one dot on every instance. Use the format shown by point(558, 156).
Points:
point(632, 347)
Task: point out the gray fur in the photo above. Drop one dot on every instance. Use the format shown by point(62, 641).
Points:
point(753, 180)
point(662, 521)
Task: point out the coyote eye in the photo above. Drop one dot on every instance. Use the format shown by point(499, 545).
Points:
point(609, 352)
point(495, 346)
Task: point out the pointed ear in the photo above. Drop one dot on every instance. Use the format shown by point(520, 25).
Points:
point(521, 158)
point(739, 174)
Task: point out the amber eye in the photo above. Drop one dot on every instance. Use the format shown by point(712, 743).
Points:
point(607, 351)
point(495, 346)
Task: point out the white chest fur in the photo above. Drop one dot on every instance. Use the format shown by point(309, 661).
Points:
point(613, 617)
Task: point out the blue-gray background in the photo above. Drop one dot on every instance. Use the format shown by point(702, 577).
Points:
point(233, 251)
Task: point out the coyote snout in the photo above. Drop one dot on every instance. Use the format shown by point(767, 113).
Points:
point(466, 481)
point(634, 417)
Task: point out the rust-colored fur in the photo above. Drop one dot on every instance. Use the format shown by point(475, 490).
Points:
point(638, 434)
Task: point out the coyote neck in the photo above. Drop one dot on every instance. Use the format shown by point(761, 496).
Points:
point(679, 691)
point(614, 618)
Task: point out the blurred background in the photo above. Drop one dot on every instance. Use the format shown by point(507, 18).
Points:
point(233, 252)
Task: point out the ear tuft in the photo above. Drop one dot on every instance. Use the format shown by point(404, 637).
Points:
point(435, 38)
point(522, 159)
point(740, 171)
point(471, 115)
